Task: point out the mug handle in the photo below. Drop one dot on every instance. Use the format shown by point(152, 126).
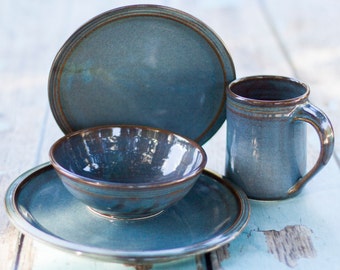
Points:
point(307, 112)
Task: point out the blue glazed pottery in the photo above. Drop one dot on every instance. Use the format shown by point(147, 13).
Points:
point(127, 171)
point(125, 184)
point(142, 65)
point(212, 214)
point(266, 136)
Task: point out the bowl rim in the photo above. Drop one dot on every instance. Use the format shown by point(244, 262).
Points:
point(118, 185)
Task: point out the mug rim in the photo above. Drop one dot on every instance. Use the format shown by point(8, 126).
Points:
point(283, 102)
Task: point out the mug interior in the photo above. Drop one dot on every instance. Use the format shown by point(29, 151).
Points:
point(269, 88)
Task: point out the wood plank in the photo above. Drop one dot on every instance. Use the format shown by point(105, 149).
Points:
point(312, 41)
point(313, 209)
point(20, 111)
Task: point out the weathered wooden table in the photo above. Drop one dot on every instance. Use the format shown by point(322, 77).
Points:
point(291, 38)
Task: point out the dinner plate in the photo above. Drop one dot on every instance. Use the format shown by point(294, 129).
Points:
point(211, 215)
point(142, 65)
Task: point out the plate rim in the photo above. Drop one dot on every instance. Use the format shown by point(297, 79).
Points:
point(105, 254)
point(116, 14)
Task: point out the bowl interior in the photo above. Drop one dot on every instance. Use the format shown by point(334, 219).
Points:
point(128, 155)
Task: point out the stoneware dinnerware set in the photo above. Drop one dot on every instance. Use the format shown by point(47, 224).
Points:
point(137, 91)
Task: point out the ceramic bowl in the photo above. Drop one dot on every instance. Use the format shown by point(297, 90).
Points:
point(127, 172)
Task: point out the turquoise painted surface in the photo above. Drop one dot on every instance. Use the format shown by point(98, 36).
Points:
point(312, 210)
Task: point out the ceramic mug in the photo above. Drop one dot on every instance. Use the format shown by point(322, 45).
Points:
point(266, 136)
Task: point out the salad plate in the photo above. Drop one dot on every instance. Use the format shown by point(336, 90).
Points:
point(213, 213)
point(144, 65)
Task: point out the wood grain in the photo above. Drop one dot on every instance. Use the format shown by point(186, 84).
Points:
point(291, 244)
point(311, 43)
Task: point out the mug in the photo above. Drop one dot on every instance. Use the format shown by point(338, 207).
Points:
point(266, 136)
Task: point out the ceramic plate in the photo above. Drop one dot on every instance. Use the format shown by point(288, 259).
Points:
point(212, 214)
point(142, 65)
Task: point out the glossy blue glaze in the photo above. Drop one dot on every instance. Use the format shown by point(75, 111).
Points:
point(142, 65)
point(266, 136)
point(127, 171)
point(212, 214)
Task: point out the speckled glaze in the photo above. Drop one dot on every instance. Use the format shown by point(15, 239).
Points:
point(266, 136)
point(127, 171)
point(142, 65)
point(212, 214)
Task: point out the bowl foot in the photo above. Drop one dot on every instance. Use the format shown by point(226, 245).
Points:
point(117, 217)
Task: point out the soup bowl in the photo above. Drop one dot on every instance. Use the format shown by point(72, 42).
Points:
point(127, 172)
